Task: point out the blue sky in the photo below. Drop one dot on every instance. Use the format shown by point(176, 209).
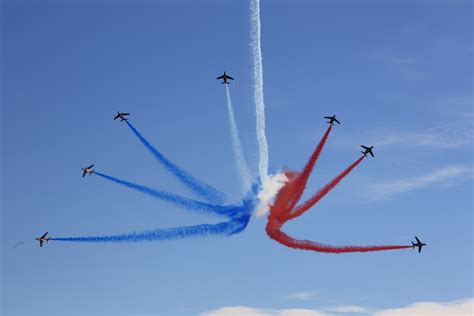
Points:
point(397, 74)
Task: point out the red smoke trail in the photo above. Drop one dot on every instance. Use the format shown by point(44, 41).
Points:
point(303, 177)
point(283, 210)
point(291, 193)
point(325, 190)
point(273, 229)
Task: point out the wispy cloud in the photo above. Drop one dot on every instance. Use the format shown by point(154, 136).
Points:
point(305, 296)
point(443, 176)
point(457, 107)
point(252, 311)
point(453, 135)
point(456, 130)
point(408, 66)
point(456, 134)
point(238, 310)
point(455, 308)
point(348, 309)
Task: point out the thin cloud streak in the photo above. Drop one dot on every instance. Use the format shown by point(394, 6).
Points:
point(384, 190)
point(348, 309)
point(456, 308)
point(462, 307)
point(252, 311)
point(448, 136)
point(305, 296)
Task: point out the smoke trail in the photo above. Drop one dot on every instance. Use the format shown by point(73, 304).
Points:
point(227, 228)
point(303, 178)
point(229, 210)
point(237, 147)
point(258, 88)
point(191, 182)
point(268, 191)
point(18, 244)
point(280, 214)
point(273, 229)
point(284, 210)
point(280, 209)
point(237, 222)
point(325, 190)
point(295, 182)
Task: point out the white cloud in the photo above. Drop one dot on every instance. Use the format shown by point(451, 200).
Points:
point(407, 66)
point(456, 308)
point(302, 295)
point(238, 310)
point(458, 106)
point(452, 135)
point(251, 311)
point(300, 312)
point(441, 176)
point(348, 309)
point(455, 134)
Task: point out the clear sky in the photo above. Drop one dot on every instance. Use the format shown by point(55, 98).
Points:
point(398, 74)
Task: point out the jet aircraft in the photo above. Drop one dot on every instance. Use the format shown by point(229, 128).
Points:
point(418, 244)
point(368, 150)
point(332, 119)
point(121, 115)
point(43, 239)
point(225, 77)
point(87, 170)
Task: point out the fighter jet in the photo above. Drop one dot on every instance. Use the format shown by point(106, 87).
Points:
point(368, 150)
point(42, 239)
point(225, 77)
point(332, 119)
point(87, 170)
point(121, 115)
point(418, 244)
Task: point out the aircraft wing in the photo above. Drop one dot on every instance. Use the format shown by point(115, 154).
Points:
point(364, 147)
point(371, 153)
point(337, 121)
point(229, 77)
point(417, 240)
point(41, 243)
point(84, 173)
point(125, 113)
point(44, 235)
point(90, 166)
point(328, 117)
point(419, 249)
point(117, 116)
point(221, 77)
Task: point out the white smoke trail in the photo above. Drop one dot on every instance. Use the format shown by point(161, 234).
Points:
point(268, 191)
point(258, 88)
point(237, 147)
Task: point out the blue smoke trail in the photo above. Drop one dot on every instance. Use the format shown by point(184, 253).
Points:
point(228, 228)
point(200, 188)
point(237, 223)
point(223, 210)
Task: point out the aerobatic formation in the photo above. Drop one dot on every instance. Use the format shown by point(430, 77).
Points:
point(277, 194)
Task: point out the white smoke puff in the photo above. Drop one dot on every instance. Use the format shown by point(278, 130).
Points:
point(267, 192)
